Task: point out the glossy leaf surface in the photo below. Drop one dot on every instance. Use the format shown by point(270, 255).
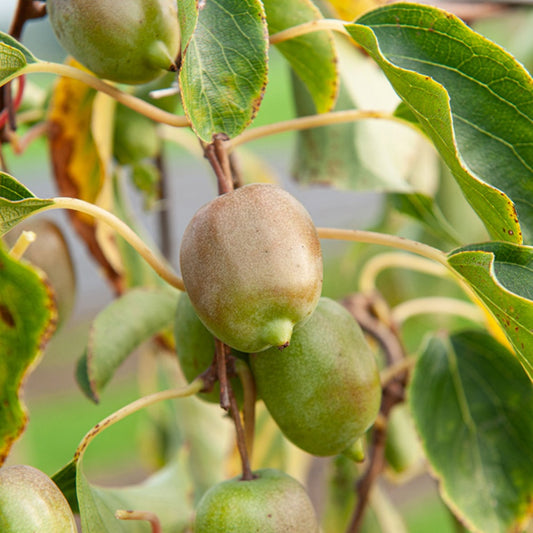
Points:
point(472, 405)
point(312, 56)
point(440, 68)
point(224, 68)
point(502, 275)
point(120, 328)
point(27, 321)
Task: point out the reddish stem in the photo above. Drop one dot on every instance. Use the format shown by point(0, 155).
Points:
point(217, 155)
point(7, 114)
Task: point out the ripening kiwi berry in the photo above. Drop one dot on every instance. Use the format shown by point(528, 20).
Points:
point(30, 501)
point(252, 266)
point(273, 502)
point(195, 347)
point(127, 42)
point(323, 391)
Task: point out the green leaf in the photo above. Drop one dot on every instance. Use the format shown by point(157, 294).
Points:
point(424, 209)
point(328, 154)
point(136, 271)
point(166, 494)
point(120, 328)
point(472, 405)
point(65, 479)
point(224, 69)
point(16, 202)
point(362, 155)
point(313, 56)
point(473, 100)
point(188, 17)
point(27, 321)
point(13, 57)
point(502, 275)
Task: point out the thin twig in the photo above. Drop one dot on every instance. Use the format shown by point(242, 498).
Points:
point(362, 308)
point(147, 516)
point(247, 474)
point(217, 155)
point(250, 395)
point(221, 354)
point(165, 232)
point(26, 10)
point(142, 403)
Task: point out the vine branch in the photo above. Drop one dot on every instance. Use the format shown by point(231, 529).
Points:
point(309, 27)
point(312, 121)
point(157, 263)
point(26, 10)
point(362, 308)
point(149, 110)
point(217, 155)
point(172, 394)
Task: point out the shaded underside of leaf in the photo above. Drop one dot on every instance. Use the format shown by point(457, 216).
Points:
point(423, 208)
point(472, 406)
point(472, 98)
point(313, 56)
point(355, 155)
point(16, 202)
point(166, 494)
point(11, 189)
point(502, 275)
point(120, 328)
point(27, 321)
point(224, 70)
point(65, 479)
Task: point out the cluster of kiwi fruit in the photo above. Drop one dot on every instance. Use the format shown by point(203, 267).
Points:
point(252, 267)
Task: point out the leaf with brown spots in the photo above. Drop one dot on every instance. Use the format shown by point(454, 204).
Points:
point(27, 321)
point(471, 98)
point(313, 57)
point(501, 274)
point(224, 70)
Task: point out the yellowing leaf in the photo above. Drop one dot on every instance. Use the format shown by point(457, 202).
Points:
point(79, 169)
point(77, 166)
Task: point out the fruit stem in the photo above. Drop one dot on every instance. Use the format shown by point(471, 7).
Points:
point(229, 403)
point(312, 121)
point(124, 98)
point(309, 27)
point(147, 516)
point(172, 394)
point(157, 263)
point(22, 244)
point(221, 355)
point(248, 409)
point(217, 154)
point(247, 474)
